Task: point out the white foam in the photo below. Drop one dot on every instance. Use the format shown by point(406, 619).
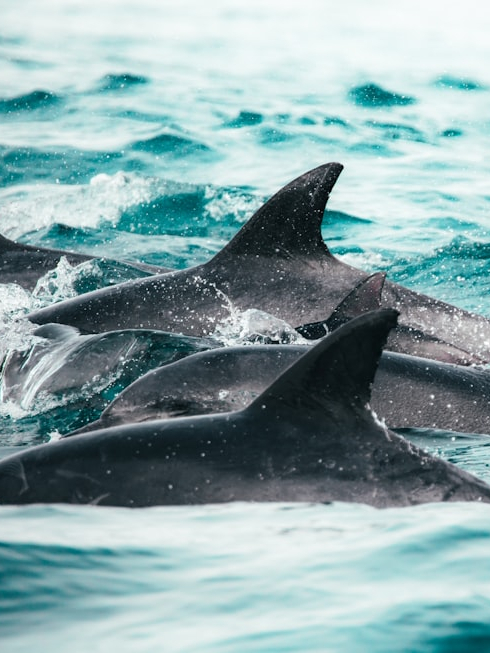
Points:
point(222, 203)
point(103, 199)
point(15, 331)
point(57, 284)
point(254, 326)
point(365, 260)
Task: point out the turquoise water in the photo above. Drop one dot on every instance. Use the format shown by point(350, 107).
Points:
point(151, 131)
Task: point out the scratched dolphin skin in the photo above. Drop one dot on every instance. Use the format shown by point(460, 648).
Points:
point(309, 436)
point(279, 263)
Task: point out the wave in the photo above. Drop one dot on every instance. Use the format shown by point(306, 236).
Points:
point(337, 121)
point(33, 101)
point(395, 131)
point(192, 211)
point(98, 202)
point(64, 165)
point(458, 83)
point(170, 144)
point(274, 136)
point(451, 132)
point(372, 95)
point(122, 577)
point(278, 121)
point(245, 119)
point(130, 216)
point(121, 81)
point(463, 248)
point(68, 165)
point(458, 272)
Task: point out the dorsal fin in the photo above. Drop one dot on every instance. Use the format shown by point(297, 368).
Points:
point(290, 222)
point(339, 369)
point(365, 297)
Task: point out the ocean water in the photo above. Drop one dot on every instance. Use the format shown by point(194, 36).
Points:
point(151, 131)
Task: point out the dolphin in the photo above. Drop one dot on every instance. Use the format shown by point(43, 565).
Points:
point(63, 363)
point(277, 262)
point(366, 296)
point(24, 265)
point(309, 436)
point(408, 391)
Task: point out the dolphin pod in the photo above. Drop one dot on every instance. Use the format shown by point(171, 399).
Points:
point(63, 363)
point(442, 396)
point(267, 423)
point(309, 436)
point(279, 263)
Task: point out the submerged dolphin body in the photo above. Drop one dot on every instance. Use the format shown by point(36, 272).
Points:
point(279, 263)
point(61, 362)
point(408, 391)
point(310, 436)
point(24, 265)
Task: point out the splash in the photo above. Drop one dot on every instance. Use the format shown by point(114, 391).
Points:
point(15, 331)
point(255, 327)
point(103, 200)
point(57, 284)
point(20, 346)
point(248, 327)
point(25, 371)
point(56, 372)
point(230, 205)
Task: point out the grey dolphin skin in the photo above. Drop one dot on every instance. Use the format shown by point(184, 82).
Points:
point(366, 296)
point(63, 362)
point(60, 361)
point(279, 263)
point(310, 436)
point(24, 265)
point(408, 391)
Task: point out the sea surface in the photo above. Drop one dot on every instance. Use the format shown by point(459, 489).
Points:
point(150, 131)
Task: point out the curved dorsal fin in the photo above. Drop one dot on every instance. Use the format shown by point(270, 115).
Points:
point(364, 297)
point(290, 222)
point(338, 370)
